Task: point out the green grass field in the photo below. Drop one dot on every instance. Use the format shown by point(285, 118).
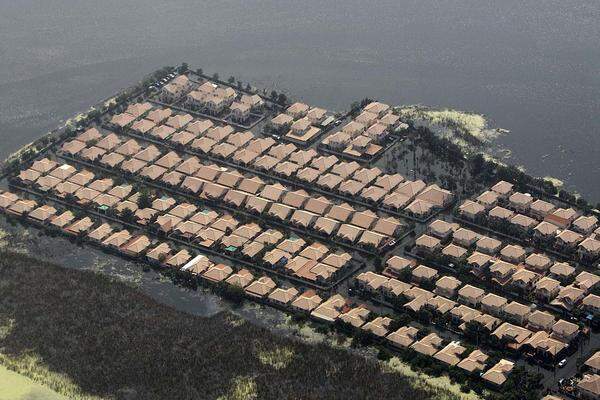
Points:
point(17, 387)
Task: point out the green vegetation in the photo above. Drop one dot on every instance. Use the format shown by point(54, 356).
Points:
point(89, 337)
point(17, 387)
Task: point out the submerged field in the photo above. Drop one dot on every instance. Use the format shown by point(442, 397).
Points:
point(87, 336)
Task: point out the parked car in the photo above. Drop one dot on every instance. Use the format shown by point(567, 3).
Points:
point(562, 363)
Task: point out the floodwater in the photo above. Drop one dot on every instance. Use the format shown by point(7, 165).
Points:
point(532, 67)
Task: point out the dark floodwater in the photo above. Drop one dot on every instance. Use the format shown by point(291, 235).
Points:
point(531, 66)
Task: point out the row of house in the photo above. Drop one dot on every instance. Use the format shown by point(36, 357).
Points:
point(510, 266)
point(563, 229)
point(364, 135)
point(300, 207)
point(337, 308)
point(539, 332)
point(205, 227)
point(300, 123)
point(306, 167)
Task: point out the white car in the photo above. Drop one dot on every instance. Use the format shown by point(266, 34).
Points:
point(562, 363)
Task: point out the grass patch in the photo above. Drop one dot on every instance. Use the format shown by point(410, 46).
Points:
point(17, 387)
point(277, 358)
point(243, 388)
point(442, 385)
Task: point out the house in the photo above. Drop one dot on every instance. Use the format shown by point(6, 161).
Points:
point(500, 215)
point(547, 289)
point(423, 273)
point(539, 263)
point(355, 317)
point(435, 195)
point(567, 240)
point(454, 252)
point(366, 118)
point(306, 302)
point(593, 363)
point(370, 281)
point(429, 345)
point(545, 231)
point(523, 222)
point(516, 312)
point(478, 261)
point(471, 210)
point(428, 244)
point(471, 295)
point(451, 354)
point(240, 111)
point(569, 297)
point(540, 209)
point(589, 387)
point(465, 237)
point(297, 110)
point(493, 304)
point(197, 265)
point(541, 321)
point(447, 286)
point(462, 314)
point(396, 266)
point(513, 253)
point(377, 108)
point(589, 249)
point(525, 280)
point(488, 199)
point(403, 337)
point(316, 115)
point(502, 272)
point(585, 224)
point(544, 347)
point(561, 271)
point(565, 331)
point(43, 213)
point(420, 209)
point(511, 335)
point(378, 327)
point(475, 362)
point(255, 102)
point(566, 215)
point(488, 245)
point(283, 297)
point(586, 281)
point(217, 273)
point(441, 229)
point(520, 201)
point(440, 305)
point(503, 188)
point(331, 309)
point(171, 92)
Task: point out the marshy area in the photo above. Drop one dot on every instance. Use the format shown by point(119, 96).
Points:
point(142, 349)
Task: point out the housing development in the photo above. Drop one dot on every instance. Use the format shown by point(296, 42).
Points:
point(329, 216)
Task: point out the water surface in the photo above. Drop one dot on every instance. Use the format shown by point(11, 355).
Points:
point(530, 66)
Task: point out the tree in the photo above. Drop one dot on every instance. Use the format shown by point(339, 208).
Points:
point(199, 71)
point(215, 76)
point(282, 99)
point(144, 199)
point(184, 67)
point(231, 80)
point(127, 215)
